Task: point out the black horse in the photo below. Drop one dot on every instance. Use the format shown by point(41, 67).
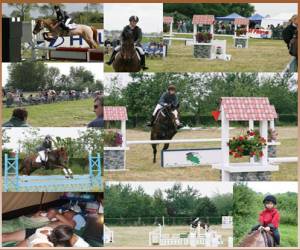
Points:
point(164, 127)
point(127, 59)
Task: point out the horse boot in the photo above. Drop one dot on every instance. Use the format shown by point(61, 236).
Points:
point(112, 58)
point(143, 62)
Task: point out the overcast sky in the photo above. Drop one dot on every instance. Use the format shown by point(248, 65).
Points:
point(206, 188)
point(17, 134)
point(95, 68)
point(274, 9)
point(273, 187)
point(116, 16)
point(69, 7)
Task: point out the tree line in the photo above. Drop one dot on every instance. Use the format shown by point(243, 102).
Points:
point(199, 94)
point(125, 205)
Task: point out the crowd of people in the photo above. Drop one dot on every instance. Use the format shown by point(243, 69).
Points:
point(16, 97)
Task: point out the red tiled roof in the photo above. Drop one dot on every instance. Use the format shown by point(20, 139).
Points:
point(203, 19)
point(241, 21)
point(248, 108)
point(115, 113)
point(168, 19)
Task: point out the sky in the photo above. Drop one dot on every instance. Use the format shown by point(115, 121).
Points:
point(95, 68)
point(116, 16)
point(68, 7)
point(273, 187)
point(206, 188)
point(17, 134)
point(274, 9)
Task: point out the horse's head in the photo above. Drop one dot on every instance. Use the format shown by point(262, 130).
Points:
point(39, 25)
point(62, 155)
point(127, 49)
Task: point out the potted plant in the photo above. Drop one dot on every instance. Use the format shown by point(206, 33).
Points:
point(241, 32)
point(113, 139)
point(203, 37)
point(251, 144)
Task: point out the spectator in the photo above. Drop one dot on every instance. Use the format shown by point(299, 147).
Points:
point(18, 119)
point(98, 109)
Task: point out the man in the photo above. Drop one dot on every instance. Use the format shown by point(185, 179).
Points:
point(18, 119)
point(98, 109)
point(64, 20)
point(290, 36)
point(137, 36)
point(167, 98)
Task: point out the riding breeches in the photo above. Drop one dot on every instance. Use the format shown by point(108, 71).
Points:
point(138, 49)
point(175, 112)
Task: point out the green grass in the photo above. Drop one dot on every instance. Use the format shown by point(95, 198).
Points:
point(61, 114)
point(263, 55)
point(289, 235)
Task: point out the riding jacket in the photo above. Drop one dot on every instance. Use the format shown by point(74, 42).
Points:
point(270, 218)
point(288, 33)
point(60, 15)
point(137, 33)
point(166, 98)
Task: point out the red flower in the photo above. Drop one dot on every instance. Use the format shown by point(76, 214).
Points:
point(261, 154)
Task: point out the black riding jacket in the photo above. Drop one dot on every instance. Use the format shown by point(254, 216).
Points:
point(166, 98)
point(137, 33)
point(60, 15)
point(288, 33)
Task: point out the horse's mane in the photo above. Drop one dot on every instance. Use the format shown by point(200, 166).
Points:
point(248, 240)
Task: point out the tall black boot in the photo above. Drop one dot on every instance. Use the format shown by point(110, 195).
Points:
point(150, 124)
point(143, 62)
point(112, 58)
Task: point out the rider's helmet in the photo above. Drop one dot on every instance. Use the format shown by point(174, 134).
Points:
point(270, 198)
point(48, 137)
point(133, 18)
point(172, 87)
point(56, 7)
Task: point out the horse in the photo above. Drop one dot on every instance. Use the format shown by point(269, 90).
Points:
point(88, 33)
point(258, 238)
point(127, 59)
point(57, 158)
point(164, 128)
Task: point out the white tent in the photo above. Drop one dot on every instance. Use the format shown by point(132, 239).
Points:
point(281, 19)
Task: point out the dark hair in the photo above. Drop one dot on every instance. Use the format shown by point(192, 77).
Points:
point(61, 236)
point(99, 99)
point(20, 113)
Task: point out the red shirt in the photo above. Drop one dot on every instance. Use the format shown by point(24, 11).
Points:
point(269, 216)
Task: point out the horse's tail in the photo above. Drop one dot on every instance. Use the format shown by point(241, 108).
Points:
point(95, 34)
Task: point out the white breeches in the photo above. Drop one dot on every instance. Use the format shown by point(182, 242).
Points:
point(175, 112)
point(41, 157)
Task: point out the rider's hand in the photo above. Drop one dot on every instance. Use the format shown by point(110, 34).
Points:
point(260, 228)
point(267, 229)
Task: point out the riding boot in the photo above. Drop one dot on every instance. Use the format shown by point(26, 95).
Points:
point(112, 58)
point(150, 124)
point(143, 62)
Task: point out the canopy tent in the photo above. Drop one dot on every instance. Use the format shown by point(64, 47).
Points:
point(230, 17)
point(280, 19)
point(256, 17)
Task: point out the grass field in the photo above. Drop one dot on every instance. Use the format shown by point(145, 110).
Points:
point(134, 236)
point(61, 114)
point(263, 55)
point(140, 167)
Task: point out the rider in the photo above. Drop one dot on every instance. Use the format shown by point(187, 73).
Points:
point(137, 36)
point(269, 218)
point(44, 149)
point(64, 20)
point(167, 98)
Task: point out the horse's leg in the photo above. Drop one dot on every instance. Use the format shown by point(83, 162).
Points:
point(70, 172)
point(154, 152)
point(166, 146)
point(65, 170)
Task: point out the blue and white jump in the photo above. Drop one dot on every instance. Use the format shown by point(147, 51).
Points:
point(13, 181)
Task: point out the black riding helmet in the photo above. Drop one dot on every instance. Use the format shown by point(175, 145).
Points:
point(270, 198)
point(56, 7)
point(134, 18)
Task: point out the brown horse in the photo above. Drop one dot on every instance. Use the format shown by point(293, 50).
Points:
point(88, 33)
point(258, 238)
point(127, 59)
point(57, 158)
point(164, 128)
